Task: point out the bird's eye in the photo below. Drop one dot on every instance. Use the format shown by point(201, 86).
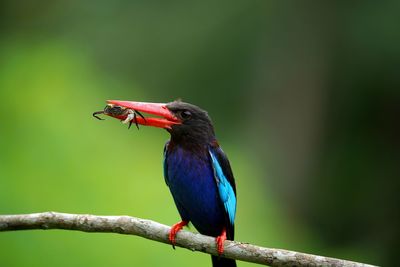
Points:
point(185, 114)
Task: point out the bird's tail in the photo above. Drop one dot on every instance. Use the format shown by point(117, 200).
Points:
point(222, 262)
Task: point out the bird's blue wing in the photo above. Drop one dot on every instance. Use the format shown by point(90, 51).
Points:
point(225, 181)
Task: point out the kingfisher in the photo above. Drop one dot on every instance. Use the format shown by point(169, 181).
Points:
point(196, 169)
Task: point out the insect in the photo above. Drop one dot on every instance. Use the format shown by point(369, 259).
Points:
point(115, 111)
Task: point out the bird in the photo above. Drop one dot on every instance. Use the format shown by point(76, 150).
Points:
point(196, 169)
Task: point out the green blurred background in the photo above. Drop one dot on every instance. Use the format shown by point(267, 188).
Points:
point(304, 96)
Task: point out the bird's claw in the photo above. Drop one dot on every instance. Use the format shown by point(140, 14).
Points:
point(174, 230)
point(220, 242)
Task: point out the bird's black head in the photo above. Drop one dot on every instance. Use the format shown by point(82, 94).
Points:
point(187, 123)
point(195, 126)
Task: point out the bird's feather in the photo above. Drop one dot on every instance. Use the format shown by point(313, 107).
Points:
point(225, 182)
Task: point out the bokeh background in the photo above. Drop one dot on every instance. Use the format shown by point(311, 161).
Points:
point(304, 96)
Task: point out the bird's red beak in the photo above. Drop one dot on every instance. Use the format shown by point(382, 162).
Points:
point(159, 109)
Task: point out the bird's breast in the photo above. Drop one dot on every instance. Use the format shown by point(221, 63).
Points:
point(192, 184)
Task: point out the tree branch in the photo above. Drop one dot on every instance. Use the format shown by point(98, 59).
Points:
point(159, 232)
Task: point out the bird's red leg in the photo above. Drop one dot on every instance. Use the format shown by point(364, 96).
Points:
point(220, 242)
point(174, 230)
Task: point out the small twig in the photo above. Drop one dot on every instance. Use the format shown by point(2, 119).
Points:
point(159, 232)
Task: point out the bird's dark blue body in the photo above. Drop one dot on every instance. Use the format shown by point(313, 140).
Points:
point(190, 177)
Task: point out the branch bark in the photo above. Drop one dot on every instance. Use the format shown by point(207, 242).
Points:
point(159, 232)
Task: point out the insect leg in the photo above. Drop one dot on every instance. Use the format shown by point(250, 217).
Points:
point(140, 114)
point(134, 117)
point(97, 117)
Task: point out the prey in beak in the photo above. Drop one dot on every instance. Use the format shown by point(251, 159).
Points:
point(130, 112)
point(117, 111)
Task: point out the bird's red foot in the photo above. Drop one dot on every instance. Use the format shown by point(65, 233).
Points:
point(174, 230)
point(220, 242)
